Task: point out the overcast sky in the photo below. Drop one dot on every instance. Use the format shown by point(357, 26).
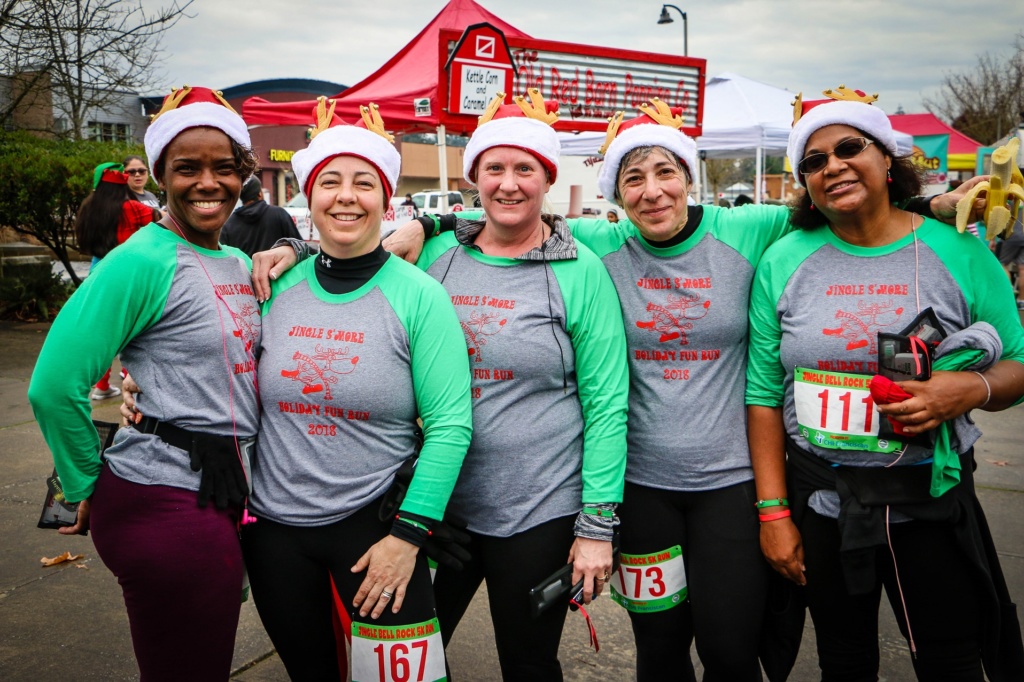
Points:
point(898, 48)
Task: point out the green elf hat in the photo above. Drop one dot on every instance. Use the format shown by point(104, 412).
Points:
point(97, 174)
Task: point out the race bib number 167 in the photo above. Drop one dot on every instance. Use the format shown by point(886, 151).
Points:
point(401, 653)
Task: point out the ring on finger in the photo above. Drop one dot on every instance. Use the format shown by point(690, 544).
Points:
point(385, 594)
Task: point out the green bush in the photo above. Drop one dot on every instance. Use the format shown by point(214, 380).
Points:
point(44, 183)
point(32, 295)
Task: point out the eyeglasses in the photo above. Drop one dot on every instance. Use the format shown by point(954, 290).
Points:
point(136, 171)
point(847, 149)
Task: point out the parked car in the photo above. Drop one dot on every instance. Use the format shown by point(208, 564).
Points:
point(429, 201)
point(298, 209)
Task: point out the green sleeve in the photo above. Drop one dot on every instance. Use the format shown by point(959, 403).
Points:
point(765, 373)
point(121, 298)
point(750, 229)
point(433, 249)
point(594, 322)
point(984, 284)
point(441, 380)
point(289, 278)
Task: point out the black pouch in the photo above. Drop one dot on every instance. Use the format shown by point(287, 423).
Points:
point(553, 590)
point(57, 512)
point(880, 486)
point(908, 355)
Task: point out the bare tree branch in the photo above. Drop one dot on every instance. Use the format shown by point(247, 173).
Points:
point(84, 54)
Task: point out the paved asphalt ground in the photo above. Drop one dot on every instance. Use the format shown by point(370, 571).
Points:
point(68, 622)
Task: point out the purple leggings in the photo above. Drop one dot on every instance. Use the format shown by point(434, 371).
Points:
point(180, 570)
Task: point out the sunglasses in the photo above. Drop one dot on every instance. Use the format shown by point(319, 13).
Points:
point(847, 149)
point(143, 171)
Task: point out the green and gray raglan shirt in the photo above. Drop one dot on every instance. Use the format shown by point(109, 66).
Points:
point(186, 324)
point(816, 308)
point(343, 378)
point(549, 379)
point(685, 311)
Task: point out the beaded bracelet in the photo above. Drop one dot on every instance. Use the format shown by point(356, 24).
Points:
point(777, 502)
point(774, 517)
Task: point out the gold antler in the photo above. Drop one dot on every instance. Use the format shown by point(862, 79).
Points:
point(373, 121)
point(798, 107)
point(661, 113)
point(613, 129)
point(492, 108)
point(843, 93)
point(324, 116)
point(536, 109)
point(172, 102)
point(219, 94)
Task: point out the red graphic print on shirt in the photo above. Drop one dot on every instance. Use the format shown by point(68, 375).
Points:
point(477, 327)
point(316, 377)
point(674, 319)
point(860, 328)
point(245, 327)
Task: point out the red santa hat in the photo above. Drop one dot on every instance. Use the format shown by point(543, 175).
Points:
point(658, 125)
point(522, 125)
point(843, 107)
point(331, 137)
point(189, 107)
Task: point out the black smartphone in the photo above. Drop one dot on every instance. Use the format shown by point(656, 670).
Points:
point(555, 589)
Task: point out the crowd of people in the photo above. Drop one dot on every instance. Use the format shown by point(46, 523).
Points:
point(691, 390)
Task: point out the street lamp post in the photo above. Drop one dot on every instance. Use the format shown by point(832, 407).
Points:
point(666, 19)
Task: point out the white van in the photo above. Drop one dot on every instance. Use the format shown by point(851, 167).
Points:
point(429, 201)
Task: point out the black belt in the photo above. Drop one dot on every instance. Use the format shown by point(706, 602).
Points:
point(168, 433)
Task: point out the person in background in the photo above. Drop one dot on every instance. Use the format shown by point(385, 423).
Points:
point(743, 200)
point(409, 202)
point(108, 217)
point(138, 175)
point(256, 225)
point(1011, 255)
point(613, 216)
point(872, 483)
point(180, 309)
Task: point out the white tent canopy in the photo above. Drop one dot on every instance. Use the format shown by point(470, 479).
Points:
point(742, 118)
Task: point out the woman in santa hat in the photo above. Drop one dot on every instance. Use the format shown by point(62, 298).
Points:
point(880, 500)
point(357, 345)
point(181, 312)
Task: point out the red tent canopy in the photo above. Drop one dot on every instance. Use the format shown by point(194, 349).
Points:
point(409, 75)
point(928, 124)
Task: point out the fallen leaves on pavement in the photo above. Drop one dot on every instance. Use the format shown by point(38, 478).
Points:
point(66, 556)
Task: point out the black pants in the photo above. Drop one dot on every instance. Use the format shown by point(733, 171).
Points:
point(527, 647)
point(944, 606)
point(290, 570)
point(726, 578)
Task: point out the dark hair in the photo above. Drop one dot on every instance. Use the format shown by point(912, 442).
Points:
point(638, 154)
point(743, 200)
point(96, 224)
point(906, 184)
point(246, 160)
point(133, 157)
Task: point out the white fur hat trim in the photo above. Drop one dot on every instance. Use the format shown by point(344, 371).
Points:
point(171, 123)
point(527, 134)
point(864, 117)
point(644, 135)
point(349, 140)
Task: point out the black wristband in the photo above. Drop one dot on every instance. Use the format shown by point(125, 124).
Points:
point(428, 226)
point(412, 528)
point(920, 205)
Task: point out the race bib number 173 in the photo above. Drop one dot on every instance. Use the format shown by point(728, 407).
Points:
point(401, 653)
point(646, 583)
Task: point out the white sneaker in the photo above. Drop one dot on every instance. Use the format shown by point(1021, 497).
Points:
point(103, 395)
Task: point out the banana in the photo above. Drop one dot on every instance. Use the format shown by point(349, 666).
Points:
point(1005, 185)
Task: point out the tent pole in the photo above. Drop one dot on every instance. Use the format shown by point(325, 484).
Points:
point(698, 186)
point(442, 166)
point(704, 178)
point(759, 160)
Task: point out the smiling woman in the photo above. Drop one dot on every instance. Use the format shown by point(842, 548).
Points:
point(187, 329)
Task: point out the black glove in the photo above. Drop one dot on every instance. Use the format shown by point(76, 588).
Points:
point(447, 545)
point(223, 478)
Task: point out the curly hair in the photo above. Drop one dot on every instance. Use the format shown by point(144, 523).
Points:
point(906, 184)
point(247, 161)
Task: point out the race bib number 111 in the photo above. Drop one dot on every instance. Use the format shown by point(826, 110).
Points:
point(646, 583)
point(835, 411)
point(401, 653)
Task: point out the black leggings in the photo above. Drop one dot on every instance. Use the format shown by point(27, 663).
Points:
point(726, 579)
point(290, 570)
point(527, 647)
point(945, 617)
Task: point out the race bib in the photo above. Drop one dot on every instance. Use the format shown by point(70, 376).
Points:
point(646, 583)
point(836, 411)
point(401, 653)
